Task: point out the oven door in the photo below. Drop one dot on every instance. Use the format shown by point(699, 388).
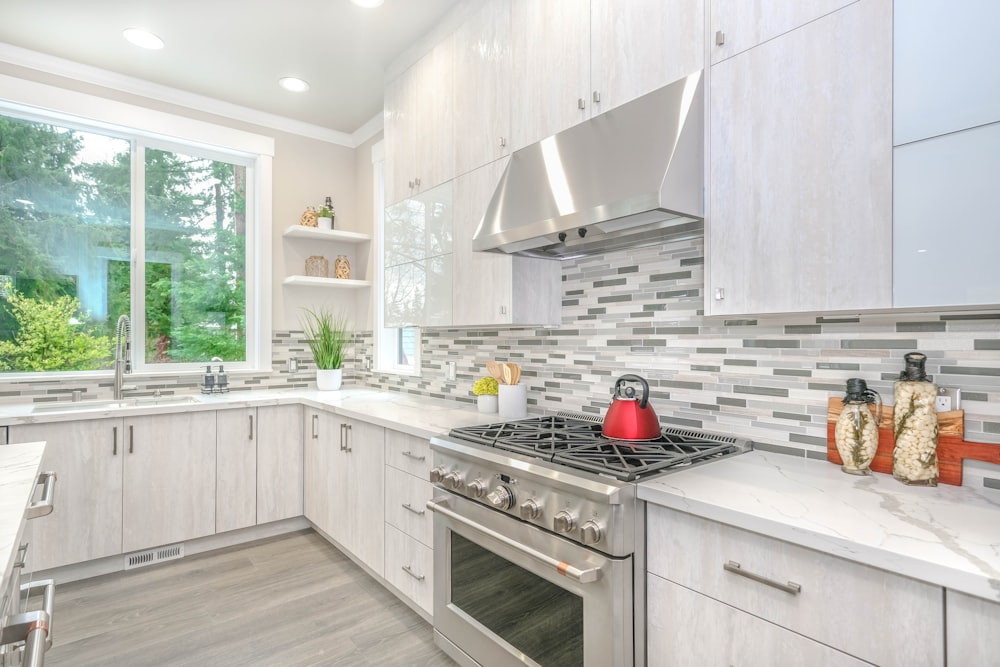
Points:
point(509, 593)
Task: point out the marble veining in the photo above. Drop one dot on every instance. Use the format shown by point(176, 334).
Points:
point(949, 536)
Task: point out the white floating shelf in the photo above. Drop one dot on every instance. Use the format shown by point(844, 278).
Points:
point(303, 232)
point(313, 281)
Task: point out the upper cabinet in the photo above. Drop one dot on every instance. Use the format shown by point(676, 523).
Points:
point(419, 125)
point(483, 87)
point(800, 165)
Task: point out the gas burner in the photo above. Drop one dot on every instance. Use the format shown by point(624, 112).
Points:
point(630, 461)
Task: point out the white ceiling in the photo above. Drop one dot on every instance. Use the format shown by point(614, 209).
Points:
point(235, 50)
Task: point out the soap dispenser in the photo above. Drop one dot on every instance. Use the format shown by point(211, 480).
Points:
point(222, 380)
point(208, 382)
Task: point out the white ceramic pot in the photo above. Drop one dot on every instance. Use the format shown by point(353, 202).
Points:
point(329, 380)
point(487, 402)
point(513, 401)
point(325, 223)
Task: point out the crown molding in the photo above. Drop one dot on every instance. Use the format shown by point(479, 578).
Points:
point(41, 62)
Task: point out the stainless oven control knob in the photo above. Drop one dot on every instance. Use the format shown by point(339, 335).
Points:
point(437, 474)
point(590, 532)
point(563, 522)
point(454, 480)
point(477, 488)
point(530, 509)
point(501, 497)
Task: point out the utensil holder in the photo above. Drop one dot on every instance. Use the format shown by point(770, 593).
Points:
point(513, 401)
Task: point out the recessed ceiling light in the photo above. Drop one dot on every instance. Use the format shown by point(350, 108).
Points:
point(293, 84)
point(143, 38)
point(367, 3)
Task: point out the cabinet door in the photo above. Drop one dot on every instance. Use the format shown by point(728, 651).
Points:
point(169, 479)
point(971, 624)
point(550, 55)
point(325, 474)
point(365, 509)
point(680, 621)
point(434, 97)
point(801, 169)
point(236, 469)
point(399, 118)
point(279, 462)
point(482, 87)
point(638, 46)
point(87, 521)
point(747, 23)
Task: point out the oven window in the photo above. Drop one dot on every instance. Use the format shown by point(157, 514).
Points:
point(539, 618)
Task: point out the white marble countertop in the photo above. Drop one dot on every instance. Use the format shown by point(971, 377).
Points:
point(19, 467)
point(946, 535)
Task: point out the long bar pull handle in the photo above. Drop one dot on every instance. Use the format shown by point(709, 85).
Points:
point(791, 587)
point(45, 504)
point(251, 428)
point(410, 455)
point(131, 439)
point(315, 427)
point(350, 437)
point(343, 437)
point(418, 577)
point(21, 559)
point(410, 508)
point(114, 441)
point(584, 576)
point(34, 628)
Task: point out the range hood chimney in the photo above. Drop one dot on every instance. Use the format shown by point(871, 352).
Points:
point(630, 177)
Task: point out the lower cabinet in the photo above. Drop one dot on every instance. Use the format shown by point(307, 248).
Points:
point(409, 527)
point(279, 462)
point(236, 469)
point(860, 611)
point(973, 640)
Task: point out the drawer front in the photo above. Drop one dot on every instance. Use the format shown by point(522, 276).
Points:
point(406, 498)
point(840, 603)
point(677, 620)
point(409, 566)
point(409, 453)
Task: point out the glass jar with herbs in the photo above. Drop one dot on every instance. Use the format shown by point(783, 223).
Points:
point(856, 432)
point(914, 457)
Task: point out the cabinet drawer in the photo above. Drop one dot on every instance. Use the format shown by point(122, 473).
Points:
point(406, 497)
point(839, 603)
point(409, 566)
point(409, 453)
point(678, 617)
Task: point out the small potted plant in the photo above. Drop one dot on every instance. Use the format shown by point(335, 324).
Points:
point(486, 390)
point(328, 336)
point(325, 217)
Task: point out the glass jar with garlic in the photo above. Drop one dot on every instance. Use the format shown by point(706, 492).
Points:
point(914, 457)
point(856, 433)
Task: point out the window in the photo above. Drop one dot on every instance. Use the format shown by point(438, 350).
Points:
point(397, 350)
point(100, 221)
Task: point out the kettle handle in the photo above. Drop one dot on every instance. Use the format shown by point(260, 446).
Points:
point(634, 378)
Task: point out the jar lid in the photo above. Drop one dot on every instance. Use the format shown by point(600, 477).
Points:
point(915, 369)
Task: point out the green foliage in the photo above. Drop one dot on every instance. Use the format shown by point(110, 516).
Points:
point(486, 385)
point(328, 336)
point(47, 339)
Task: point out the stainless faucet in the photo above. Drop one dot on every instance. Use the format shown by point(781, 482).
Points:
point(123, 356)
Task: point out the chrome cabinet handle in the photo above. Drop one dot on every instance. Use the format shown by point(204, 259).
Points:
point(34, 627)
point(410, 455)
point(350, 437)
point(580, 103)
point(114, 441)
point(597, 97)
point(584, 576)
point(45, 505)
point(720, 38)
point(791, 587)
point(343, 437)
point(418, 577)
point(409, 508)
point(315, 427)
point(21, 559)
point(131, 439)
point(251, 428)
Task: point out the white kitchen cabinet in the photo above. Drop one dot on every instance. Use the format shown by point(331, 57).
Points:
point(169, 481)
point(279, 462)
point(945, 71)
point(747, 23)
point(495, 288)
point(945, 225)
point(972, 625)
point(550, 47)
point(88, 457)
point(838, 602)
point(419, 124)
point(324, 496)
point(800, 175)
point(236, 469)
point(409, 567)
point(483, 86)
point(680, 623)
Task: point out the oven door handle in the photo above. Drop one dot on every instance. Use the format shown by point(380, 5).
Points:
point(585, 576)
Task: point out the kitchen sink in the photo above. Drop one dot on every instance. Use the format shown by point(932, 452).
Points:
point(137, 402)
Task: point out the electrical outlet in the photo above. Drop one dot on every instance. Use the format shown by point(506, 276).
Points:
point(450, 370)
point(948, 398)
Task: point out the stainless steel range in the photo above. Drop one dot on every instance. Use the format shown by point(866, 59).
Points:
point(539, 539)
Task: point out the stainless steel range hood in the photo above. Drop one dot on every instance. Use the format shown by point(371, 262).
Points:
point(630, 177)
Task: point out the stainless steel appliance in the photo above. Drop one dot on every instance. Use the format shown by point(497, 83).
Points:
point(539, 539)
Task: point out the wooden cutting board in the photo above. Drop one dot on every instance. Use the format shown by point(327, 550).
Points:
point(952, 447)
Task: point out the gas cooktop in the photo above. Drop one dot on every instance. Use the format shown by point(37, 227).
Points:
point(578, 443)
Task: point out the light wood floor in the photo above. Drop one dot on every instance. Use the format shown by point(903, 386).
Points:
point(286, 601)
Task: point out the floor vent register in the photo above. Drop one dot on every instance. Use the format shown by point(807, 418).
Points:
point(153, 556)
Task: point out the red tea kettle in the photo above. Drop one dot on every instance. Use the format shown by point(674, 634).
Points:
point(629, 418)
